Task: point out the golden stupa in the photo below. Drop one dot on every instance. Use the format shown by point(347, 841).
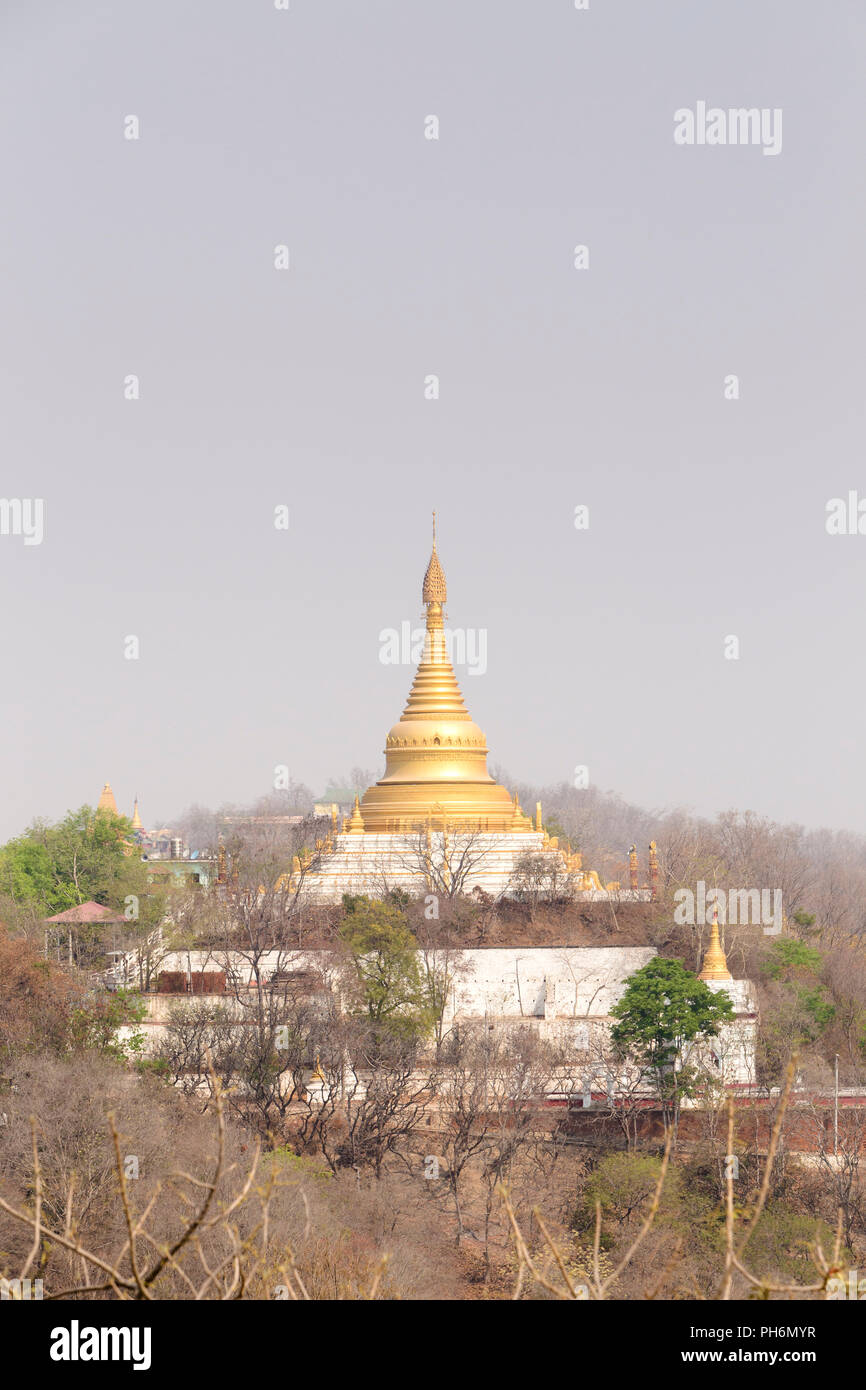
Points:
point(435, 756)
point(106, 800)
point(715, 966)
point(136, 818)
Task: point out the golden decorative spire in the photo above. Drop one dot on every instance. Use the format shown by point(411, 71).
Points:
point(715, 963)
point(520, 823)
point(538, 823)
point(434, 589)
point(356, 820)
point(435, 756)
point(136, 818)
point(654, 870)
point(106, 801)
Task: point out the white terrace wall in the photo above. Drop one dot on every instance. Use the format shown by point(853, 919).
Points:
point(567, 993)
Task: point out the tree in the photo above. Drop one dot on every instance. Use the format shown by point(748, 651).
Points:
point(390, 989)
point(443, 860)
point(95, 1023)
point(35, 1000)
point(373, 1098)
point(541, 878)
point(664, 1008)
point(490, 1086)
point(86, 856)
point(789, 959)
point(622, 1185)
point(796, 1008)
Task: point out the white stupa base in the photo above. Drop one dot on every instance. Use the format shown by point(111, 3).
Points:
point(375, 863)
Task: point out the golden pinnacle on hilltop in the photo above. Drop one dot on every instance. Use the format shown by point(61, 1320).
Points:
point(715, 965)
point(435, 756)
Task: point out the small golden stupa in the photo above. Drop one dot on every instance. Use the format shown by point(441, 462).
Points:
point(106, 801)
point(715, 963)
point(435, 756)
point(136, 818)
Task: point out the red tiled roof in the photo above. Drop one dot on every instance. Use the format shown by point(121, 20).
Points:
point(87, 912)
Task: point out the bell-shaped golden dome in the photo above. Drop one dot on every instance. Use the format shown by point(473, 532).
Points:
point(435, 756)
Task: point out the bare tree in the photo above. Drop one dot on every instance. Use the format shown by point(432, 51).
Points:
point(444, 861)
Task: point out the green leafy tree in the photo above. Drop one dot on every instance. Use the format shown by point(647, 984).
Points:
point(622, 1185)
point(392, 995)
point(789, 959)
point(26, 871)
point(86, 856)
point(798, 1008)
point(663, 1010)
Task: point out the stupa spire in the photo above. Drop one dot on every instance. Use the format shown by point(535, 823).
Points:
point(435, 756)
point(434, 589)
point(435, 693)
point(136, 818)
point(106, 801)
point(715, 962)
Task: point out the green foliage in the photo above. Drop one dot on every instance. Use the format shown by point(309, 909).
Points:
point(352, 901)
point(790, 959)
point(817, 1007)
point(798, 1008)
point(93, 1024)
point(288, 1163)
point(26, 871)
point(85, 856)
point(782, 1244)
point(399, 898)
point(555, 831)
point(391, 990)
point(152, 1066)
point(622, 1184)
point(665, 1006)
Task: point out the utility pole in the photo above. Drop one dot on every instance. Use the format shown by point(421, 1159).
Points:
point(836, 1111)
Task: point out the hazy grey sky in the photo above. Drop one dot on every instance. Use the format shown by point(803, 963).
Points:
point(558, 387)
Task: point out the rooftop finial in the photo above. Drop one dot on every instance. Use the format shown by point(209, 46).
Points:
point(433, 590)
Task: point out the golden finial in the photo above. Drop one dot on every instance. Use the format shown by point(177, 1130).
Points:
point(136, 818)
point(538, 825)
point(715, 963)
point(654, 870)
point(433, 589)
